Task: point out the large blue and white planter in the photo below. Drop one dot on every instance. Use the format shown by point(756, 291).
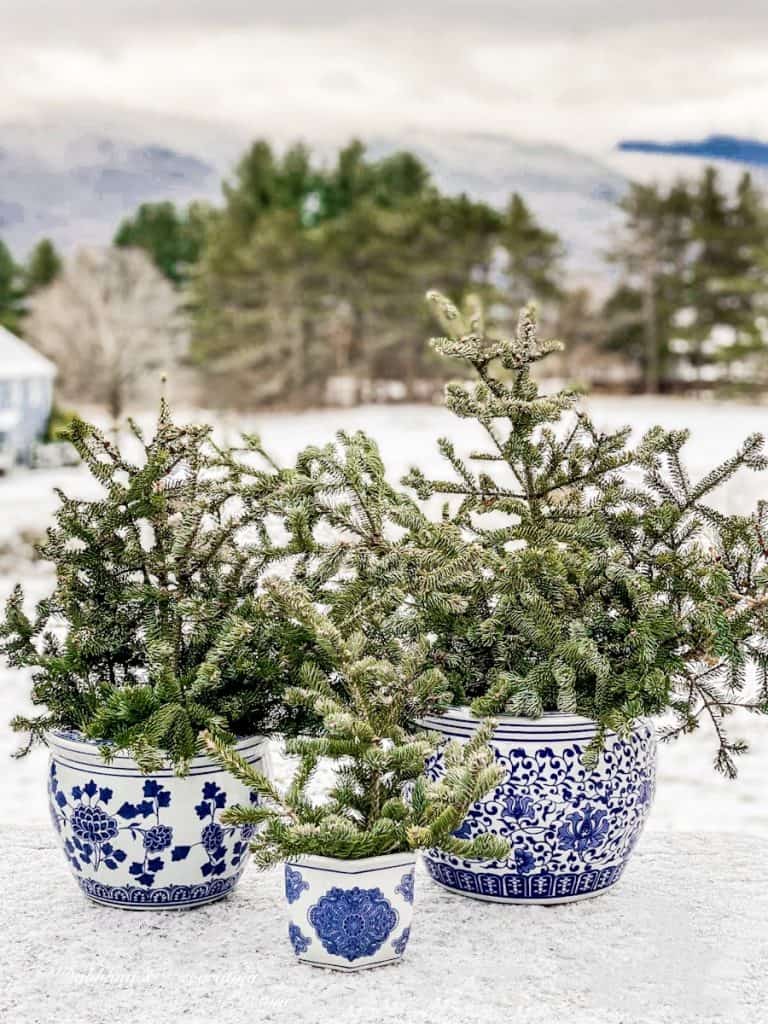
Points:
point(147, 842)
point(350, 914)
point(571, 829)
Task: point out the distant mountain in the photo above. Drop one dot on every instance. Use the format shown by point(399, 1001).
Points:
point(77, 192)
point(76, 188)
point(714, 147)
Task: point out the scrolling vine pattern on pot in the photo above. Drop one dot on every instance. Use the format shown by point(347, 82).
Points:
point(559, 816)
point(99, 837)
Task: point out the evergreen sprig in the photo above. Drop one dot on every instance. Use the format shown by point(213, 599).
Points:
point(154, 629)
point(380, 802)
point(593, 594)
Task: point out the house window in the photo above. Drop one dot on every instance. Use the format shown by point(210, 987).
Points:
point(5, 394)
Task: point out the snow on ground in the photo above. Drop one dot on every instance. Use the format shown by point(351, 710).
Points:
point(682, 939)
point(690, 797)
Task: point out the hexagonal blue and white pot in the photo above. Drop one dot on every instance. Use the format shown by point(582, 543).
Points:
point(350, 914)
point(147, 842)
point(571, 829)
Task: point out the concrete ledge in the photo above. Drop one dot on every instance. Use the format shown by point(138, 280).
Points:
point(683, 939)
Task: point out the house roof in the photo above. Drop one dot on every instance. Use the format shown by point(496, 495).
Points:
point(19, 360)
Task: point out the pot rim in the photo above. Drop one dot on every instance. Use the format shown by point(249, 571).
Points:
point(358, 866)
point(553, 726)
point(72, 744)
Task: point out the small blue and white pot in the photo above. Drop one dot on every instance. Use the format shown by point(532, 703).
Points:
point(350, 914)
point(147, 842)
point(571, 829)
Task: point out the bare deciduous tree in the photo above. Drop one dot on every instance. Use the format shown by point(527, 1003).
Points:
point(109, 321)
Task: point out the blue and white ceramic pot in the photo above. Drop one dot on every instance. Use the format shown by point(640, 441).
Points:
point(350, 914)
point(571, 829)
point(147, 842)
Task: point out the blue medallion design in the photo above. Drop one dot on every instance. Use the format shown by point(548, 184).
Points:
point(406, 887)
point(294, 884)
point(299, 941)
point(571, 828)
point(352, 923)
point(400, 943)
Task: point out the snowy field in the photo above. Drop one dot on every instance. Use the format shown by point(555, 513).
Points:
point(691, 797)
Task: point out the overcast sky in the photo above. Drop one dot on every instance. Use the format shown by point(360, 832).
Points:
point(582, 73)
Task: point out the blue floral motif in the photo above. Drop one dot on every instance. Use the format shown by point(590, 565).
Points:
point(353, 923)
point(400, 943)
point(158, 837)
point(519, 808)
point(212, 836)
point(93, 837)
point(584, 829)
point(294, 884)
point(93, 824)
point(571, 827)
point(524, 861)
point(406, 887)
point(300, 943)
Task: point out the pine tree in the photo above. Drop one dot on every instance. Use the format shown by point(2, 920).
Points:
point(11, 291)
point(156, 586)
point(533, 257)
point(173, 238)
point(44, 265)
point(654, 257)
point(381, 802)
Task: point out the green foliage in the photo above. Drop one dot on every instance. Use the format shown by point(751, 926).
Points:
point(594, 592)
point(565, 570)
point(59, 424)
point(173, 238)
point(11, 291)
point(693, 262)
point(367, 705)
point(156, 591)
point(303, 276)
point(43, 267)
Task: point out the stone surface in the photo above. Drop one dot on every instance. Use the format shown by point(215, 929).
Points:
point(682, 939)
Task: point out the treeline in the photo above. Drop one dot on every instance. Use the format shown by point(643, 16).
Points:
point(308, 274)
point(692, 298)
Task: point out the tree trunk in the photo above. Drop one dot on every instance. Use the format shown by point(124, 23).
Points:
point(650, 322)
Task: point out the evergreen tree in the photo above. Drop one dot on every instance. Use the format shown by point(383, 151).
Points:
point(533, 257)
point(303, 276)
point(156, 584)
point(726, 280)
point(11, 291)
point(367, 706)
point(173, 240)
point(44, 265)
point(654, 256)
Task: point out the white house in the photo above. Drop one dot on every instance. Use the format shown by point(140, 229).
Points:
point(26, 397)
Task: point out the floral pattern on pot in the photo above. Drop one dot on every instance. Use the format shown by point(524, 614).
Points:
point(353, 922)
point(294, 884)
point(406, 887)
point(571, 828)
point(300, 942)
point(400, 943)
point(144, 841)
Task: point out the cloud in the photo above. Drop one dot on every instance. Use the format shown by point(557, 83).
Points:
point(584, 73)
